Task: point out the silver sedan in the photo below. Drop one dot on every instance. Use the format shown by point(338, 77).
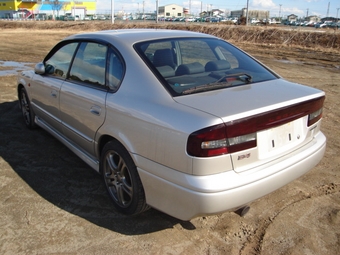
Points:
point(179, 121)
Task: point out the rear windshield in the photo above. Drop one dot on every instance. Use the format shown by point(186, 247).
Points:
point(195, 65)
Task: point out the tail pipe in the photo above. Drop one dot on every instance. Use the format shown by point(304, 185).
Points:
point(242, 211)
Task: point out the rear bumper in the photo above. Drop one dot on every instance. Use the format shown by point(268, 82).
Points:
point(186, 196)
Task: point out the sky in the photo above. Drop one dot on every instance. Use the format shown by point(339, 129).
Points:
point(277, 8)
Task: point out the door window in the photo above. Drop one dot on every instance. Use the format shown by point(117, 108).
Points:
point(89, 64)
point(59, 63)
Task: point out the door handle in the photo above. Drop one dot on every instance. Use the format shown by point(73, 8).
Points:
point(96, 110)
point(54, 93)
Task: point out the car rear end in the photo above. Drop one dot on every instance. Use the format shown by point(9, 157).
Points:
point(249, 154)
point(260, 132)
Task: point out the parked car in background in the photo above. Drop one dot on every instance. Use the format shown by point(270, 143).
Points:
point(335, 25)
point(69, 18)
point(214, 19)
point(101, 17)
point(190, 19)
point(310, 24)
point(323, 24)
point(199, 19)
point(88, 17)
point(179, 121)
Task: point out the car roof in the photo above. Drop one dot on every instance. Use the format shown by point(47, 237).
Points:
point(131, 36)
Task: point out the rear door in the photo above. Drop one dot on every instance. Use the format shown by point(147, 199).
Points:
point(83, 95)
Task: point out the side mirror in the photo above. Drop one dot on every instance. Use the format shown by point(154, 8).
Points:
point(39, 68)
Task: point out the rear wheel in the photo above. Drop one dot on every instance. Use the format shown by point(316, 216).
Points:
point(26, 109)
point(122, 180)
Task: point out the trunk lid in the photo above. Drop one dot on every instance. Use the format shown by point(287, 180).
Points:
point(247, 100)
point(277, 100)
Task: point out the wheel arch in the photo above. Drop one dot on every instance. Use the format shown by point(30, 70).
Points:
point(20, 86)
point(103, 140)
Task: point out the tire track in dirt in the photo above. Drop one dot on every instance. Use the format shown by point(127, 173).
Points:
point(255, 239)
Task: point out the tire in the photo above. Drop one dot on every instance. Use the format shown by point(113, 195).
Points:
point(122, 180)
point(26, 110)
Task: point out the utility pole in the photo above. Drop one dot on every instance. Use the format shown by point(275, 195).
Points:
point(280, 13)
point(328, 10)
point(337, 11)
point(201, 13)
point(112, 12)
point(143, 11)
point(307, 12)
point(247, 13)
point(156, 11)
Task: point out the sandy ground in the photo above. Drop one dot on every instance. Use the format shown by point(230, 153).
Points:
point(53, 203)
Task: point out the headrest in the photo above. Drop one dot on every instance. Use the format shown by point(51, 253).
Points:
point(217, 65)
point(191, 68)
point(164, 57)
point(166, 71)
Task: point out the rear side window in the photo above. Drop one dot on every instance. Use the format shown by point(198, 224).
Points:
point(115, 70)
point(59, 63)
point(89, 64)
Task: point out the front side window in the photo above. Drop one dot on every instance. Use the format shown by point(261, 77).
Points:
point(195, 65)
point(89, 64)
point(58, 64)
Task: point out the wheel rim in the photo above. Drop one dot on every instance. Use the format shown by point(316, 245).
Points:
point(25, 108)
point(118, 180)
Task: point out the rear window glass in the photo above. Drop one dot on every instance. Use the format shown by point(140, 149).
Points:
point(195, 65)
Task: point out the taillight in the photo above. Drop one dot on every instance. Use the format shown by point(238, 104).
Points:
point(314, 116)
point(208, 142)
point(240, 134)
point(213, 141)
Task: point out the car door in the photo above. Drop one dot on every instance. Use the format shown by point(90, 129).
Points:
point(46, 87)
point(83, 95)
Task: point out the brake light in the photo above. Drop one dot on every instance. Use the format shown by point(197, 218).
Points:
point(240, 134)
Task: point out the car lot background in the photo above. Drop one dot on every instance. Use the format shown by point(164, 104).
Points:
point(52, 202)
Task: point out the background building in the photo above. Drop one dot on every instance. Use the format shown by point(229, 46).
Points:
point(31, 9)
point(171, 10)
point(292, 18)
point(252, 14)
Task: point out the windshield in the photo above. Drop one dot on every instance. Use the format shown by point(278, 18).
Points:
point(195, 65)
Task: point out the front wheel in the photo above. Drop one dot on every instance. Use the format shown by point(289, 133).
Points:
point(122, 180)
point(26, 109)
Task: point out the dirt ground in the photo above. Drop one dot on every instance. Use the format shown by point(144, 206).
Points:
point(53, 203)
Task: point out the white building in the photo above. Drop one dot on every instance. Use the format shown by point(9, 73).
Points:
point(252, 14)
point(170, 11)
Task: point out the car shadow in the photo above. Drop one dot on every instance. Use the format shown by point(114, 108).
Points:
point(60, 177)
